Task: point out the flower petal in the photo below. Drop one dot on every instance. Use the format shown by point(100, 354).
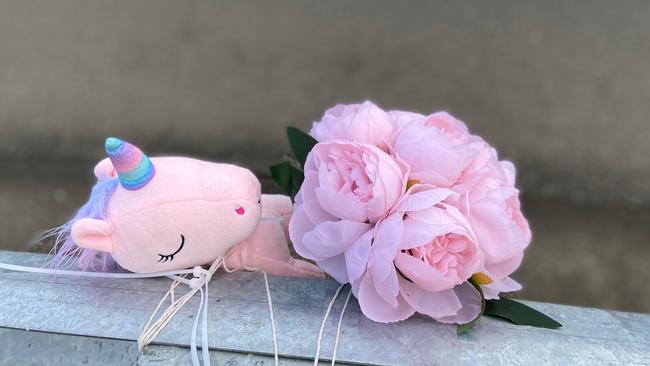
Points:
point(507, 284)
point(504, 268)
point(331, 238)
point(434, 304)
point(422, 199)
point(375, 308)
point(298, 226)
point(422, 274)
point(470, 300)
point(341, 206)
point(384, 249)
point(358, 255)
point(313, 208)
point(335, 267)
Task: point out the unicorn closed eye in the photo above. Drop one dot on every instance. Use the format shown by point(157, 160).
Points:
point(169, 213)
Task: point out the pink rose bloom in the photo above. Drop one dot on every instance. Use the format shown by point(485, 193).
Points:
point(365, 123)
point(438, 149)
point(348, 186)
point(420, 260)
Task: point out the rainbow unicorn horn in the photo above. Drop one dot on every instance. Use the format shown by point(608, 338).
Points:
point(133, 167)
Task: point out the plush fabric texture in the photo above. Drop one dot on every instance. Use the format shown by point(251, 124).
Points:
point(267, 249)
point(189, 213)
point(185, 212)
point(168, 213)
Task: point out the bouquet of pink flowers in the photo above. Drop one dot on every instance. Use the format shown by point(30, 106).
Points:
point(416, 213)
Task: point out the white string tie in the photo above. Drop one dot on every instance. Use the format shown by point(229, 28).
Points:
point(270, 302)
point(338, 329)
point(199, 283)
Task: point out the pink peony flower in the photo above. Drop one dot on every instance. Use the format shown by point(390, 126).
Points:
point(409, 250)
point(347, 188)
point(400, 119)
point(365, 123)
point(438, 249)
point(421, 257)
point(491, 204)
point(449, 126)
point(438, 149)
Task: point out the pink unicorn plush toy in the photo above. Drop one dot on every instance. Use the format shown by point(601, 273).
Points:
point(169, 213)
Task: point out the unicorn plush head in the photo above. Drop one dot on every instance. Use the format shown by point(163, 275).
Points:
point(159, 214)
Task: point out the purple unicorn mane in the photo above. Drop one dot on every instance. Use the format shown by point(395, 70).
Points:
point(65, 252)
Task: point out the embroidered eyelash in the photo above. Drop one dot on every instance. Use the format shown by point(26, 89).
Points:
point(170, 257)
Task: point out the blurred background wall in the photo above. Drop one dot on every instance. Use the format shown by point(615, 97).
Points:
point(561, 88)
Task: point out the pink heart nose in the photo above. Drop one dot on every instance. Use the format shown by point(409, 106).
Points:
point(240, 211)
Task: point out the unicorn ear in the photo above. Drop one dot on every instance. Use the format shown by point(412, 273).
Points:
point(93, 234)
point(105, 170)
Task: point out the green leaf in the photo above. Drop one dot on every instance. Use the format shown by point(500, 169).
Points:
point(281, 174)
point(519, 313)
point(462, 328)
point(297, 177)
point(288, 177)
point(301, 144)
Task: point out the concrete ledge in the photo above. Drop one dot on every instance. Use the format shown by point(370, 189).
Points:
point(96, 321)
